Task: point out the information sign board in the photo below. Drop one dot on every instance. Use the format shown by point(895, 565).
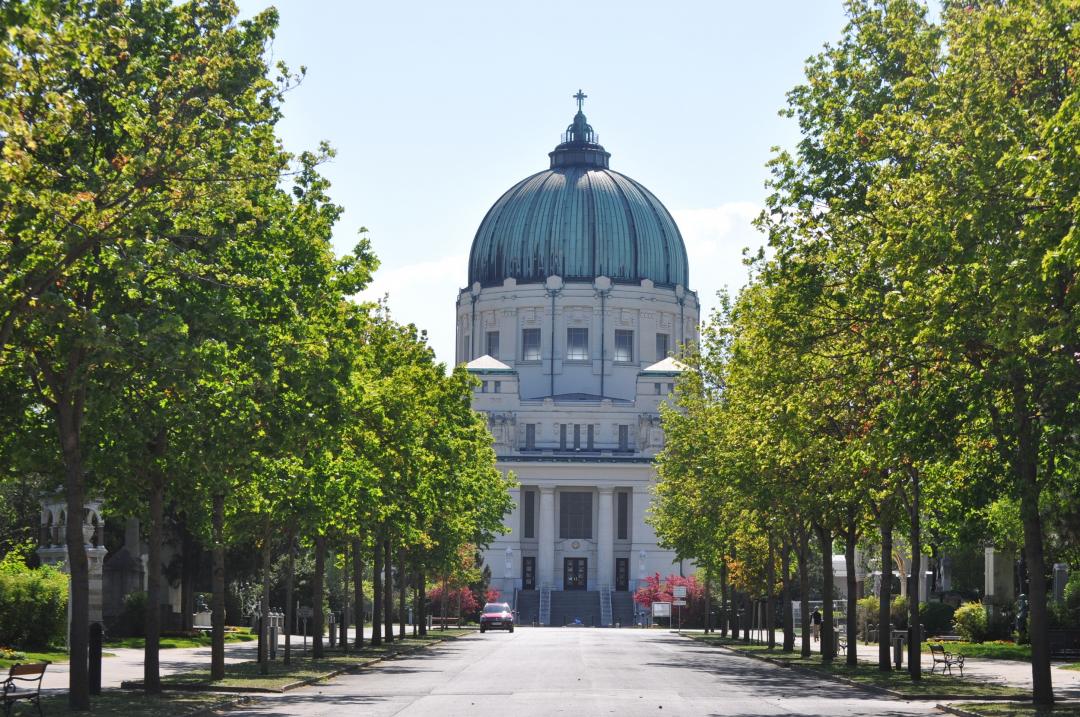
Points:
point(661, 609)
point(679, 591)
point(679, 603)
point(305, 612)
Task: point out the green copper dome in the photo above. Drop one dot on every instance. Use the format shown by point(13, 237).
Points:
point(578, 220)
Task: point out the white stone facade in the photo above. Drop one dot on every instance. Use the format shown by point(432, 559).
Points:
point(572, 378)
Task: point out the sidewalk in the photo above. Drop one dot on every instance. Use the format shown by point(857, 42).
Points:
point(1014, 673)
point(127, 664)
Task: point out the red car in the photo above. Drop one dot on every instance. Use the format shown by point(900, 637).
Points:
point(496, 616)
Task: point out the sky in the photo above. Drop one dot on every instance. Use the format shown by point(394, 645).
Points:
point(436, 108)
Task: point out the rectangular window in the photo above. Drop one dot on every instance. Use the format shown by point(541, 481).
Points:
point(624, 346)
point(492, 344)
point(562, 436)
point(659, 388)
point(495, 386)
point(575, 515)
point(589, 437)
point(528, 514)
point(577, 437)
point(483, 386)
point(530, 436)
point(661, 347)
point(624, 438)
point(466, 348)
point(530, 344)
point(623, 517)
point(577, 344)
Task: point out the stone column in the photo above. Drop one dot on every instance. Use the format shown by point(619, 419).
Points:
point(545, 538)
point(605, 538)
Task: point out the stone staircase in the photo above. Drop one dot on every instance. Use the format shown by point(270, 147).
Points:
point(622, 609)
point(566, 605)
point(528, 607)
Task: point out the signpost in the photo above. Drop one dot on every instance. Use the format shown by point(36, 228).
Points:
point(679, 593)
point(305, 614)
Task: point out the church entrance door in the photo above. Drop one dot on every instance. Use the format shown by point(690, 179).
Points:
point(622, 574)
point(528, 573)
point(574, 573)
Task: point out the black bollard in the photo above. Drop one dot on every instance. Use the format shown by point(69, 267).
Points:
point(262, 655)
point(94, 668)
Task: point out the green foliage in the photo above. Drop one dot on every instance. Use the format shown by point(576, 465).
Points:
point(970, 622)
point(133, 617)
point(866, 611)
point(898, 612)
point(33, 605)
point(937, 617)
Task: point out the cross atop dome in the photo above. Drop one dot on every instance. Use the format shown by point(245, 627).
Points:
point(580, 97)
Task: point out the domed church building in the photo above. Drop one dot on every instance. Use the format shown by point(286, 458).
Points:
point(578, 294)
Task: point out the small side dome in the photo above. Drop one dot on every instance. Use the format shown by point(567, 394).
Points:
point(578, 220)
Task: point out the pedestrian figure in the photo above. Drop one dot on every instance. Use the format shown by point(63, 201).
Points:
point(815, 618)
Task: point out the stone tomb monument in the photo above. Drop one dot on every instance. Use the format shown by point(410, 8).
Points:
point(53, 550)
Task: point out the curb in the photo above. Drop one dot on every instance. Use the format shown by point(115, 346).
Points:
point(307, 682)
point(810, 672)
point(223, 705)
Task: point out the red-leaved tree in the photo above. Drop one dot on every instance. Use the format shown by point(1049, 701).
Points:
point(657, 589)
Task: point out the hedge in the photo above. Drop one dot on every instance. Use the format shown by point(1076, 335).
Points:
point(33, 606)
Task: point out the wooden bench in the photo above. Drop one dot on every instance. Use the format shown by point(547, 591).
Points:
point(945, 659)
point(441, 622)
point(31, 675)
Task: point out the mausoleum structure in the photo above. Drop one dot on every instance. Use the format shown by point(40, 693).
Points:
point(577, 298)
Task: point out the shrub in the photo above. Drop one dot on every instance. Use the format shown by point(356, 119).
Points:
point(898, 612)
point(937, 617)
point(33, 605)
point(866, 611)
point(970, 621)
point(133, 618)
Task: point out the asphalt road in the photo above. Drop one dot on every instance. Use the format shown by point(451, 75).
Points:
point(577, 671)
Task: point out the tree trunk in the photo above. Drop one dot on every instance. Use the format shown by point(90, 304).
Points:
point(189, 575)
point(217, 639)
point(318, 599)
point(151, 655)
point(264, 606)
point(290, 577)
point(1026, 471)
point(884, 619)
point(828, 630)
point(724, 599)
point(388, 587)
point(770, 596)
point(376, 594)
point(358, 596)
point(402, 614)
point(914, 575)
point(852, 589)
point(421, 590)
point(69, 425)
point(789, 613)
point(708, 602)
point(343, 629)
point(804, 590)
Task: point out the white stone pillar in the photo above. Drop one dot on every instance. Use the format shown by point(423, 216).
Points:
point(545, 538)
point(605, 538)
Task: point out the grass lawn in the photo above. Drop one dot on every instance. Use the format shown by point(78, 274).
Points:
point(867, 673)
point(1005, 709)
point(120, 704)
point(1071, 666)
point(51, 656)
point(303, 667)
point(996, 650)
point(167, 643)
